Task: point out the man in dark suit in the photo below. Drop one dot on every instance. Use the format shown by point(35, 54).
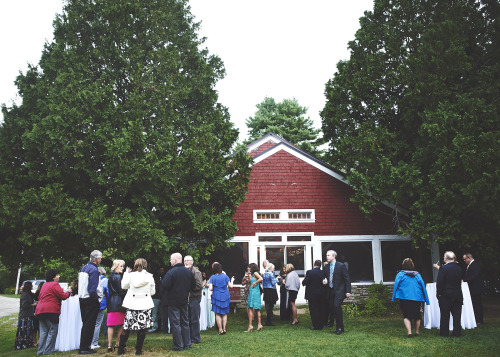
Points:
point(449, 295)
point(338, 285)
point(177, 284)
point(473, 278)
point(315, 292)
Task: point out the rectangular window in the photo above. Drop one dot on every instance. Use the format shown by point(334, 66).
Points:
point(269, 238)
point(298, 238)
point(356, 255)
point(270, 215)
point(299, 215)
point(284, 216)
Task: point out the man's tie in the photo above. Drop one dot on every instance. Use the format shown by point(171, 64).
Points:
point(331, 274)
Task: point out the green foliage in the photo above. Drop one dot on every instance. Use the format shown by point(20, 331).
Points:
point(377, 296)
point(413, 118)
point(352, 310)
point(287, 120)
point(119, 143)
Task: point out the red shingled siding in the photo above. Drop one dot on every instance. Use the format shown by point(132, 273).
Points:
point(283, 181)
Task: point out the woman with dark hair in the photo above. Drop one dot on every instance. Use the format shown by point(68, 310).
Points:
point(292, 286)
point(48, 310)
point(254, 303)
point(218, 284)
point(140, 287)
point(24, 335)
point(116, 312)
point(409, 288)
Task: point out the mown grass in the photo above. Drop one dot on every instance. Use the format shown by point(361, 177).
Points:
point(383, 336)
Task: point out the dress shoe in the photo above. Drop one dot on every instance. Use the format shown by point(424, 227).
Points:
point(339, 331)
point(86, 352)
point(329, 324)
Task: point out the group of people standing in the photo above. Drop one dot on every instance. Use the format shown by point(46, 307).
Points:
point(410, 289)
point(132, 297)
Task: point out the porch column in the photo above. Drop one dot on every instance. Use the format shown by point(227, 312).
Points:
point(378, 275)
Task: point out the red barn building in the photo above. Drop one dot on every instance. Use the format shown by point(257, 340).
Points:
point(298, 207)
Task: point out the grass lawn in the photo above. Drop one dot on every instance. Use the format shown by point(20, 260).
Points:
point(384, 336)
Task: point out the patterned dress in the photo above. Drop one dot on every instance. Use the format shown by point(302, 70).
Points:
point(254, 301)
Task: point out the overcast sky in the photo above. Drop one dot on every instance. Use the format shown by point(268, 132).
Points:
point(276, 48)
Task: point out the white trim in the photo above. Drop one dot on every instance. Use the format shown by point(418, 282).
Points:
point(263, 140)
point(284, 216)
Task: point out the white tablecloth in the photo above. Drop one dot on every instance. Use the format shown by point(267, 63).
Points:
point(70, 325)
point(207, 317)
point(432, 313)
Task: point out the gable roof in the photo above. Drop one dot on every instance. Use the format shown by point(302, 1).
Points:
point(271, 143)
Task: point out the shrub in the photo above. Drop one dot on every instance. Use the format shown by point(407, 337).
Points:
point(377, 296)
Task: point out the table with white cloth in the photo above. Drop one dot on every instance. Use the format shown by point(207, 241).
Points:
point(70, 325)
point(432, 313)
point(207, 316)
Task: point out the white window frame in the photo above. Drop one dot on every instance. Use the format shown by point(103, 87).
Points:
point(284, 215)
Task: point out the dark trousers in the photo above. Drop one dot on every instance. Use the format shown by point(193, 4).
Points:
point(477, 304)
point(179, 326)
point(335, 308)
point(447, 305)
point(164, 318)
point(269, 312)
point(88, 309)
point(317, 311)
point(194, 310)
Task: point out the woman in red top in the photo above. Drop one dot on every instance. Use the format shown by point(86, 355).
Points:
point(48, 310)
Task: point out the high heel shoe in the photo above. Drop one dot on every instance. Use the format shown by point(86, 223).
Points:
point(249, 329)
point(259, 328)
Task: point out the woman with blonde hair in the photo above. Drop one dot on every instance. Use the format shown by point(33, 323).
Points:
point(292, 285)
point(140, 286)
point(116, 312)
point(270, 294)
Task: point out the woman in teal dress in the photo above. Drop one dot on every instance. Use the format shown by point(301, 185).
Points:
point(254, 302)
point(221, 299)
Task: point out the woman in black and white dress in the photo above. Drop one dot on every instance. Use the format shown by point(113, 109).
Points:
point(139, 304)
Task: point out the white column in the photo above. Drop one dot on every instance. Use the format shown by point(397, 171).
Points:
point(378, 275)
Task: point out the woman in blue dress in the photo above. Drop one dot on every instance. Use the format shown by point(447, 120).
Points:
point(254, 302)
point(218, 284)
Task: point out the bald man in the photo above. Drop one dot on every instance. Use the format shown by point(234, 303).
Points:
point(177, 283)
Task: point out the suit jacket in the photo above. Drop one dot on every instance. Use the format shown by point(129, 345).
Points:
point(449, 282)
point(177, 284)
point(473, 278)
point(314, 284)
point(341, 279)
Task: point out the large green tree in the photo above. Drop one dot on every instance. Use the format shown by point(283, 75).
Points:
point(120, 143)
point(286, 119)
point(413, 117)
